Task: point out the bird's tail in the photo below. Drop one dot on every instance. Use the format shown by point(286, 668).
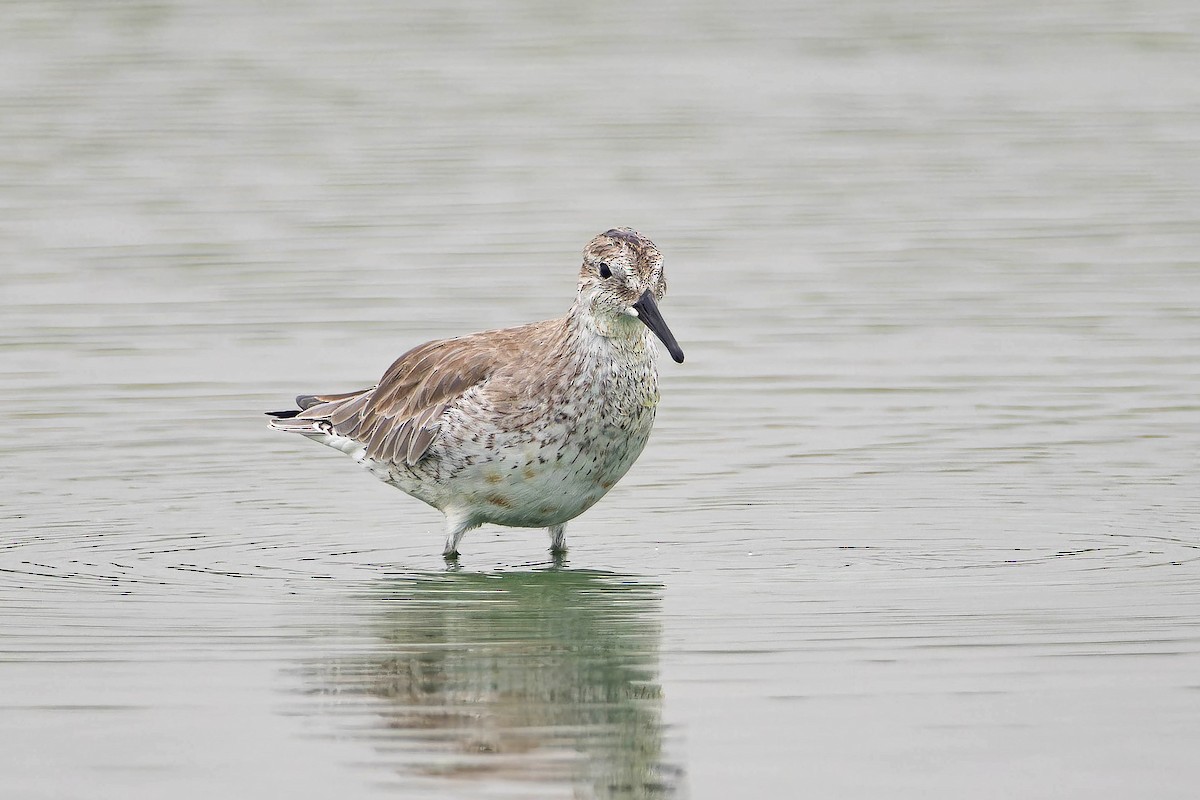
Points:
point(316, 424)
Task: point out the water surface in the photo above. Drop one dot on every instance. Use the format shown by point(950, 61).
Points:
point(920, 514)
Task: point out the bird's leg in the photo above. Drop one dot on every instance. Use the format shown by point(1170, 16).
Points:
point(558, 539)
point(456, 526)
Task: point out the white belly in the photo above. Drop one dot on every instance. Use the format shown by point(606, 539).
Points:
point(527, 482)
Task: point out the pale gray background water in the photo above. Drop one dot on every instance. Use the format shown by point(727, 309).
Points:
point(920, 515)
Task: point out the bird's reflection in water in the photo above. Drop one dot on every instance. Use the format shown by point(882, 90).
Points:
point(537, 678)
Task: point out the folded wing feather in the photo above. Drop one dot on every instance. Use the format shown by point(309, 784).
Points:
point(399, 418)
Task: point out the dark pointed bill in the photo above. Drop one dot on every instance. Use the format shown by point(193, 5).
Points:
point(648, 313)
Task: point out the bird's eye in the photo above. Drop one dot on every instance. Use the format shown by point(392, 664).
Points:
point(605, 272)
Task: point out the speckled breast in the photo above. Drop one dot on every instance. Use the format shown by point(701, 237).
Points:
point(543, 462)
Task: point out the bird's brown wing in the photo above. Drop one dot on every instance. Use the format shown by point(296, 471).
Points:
point(400, 417)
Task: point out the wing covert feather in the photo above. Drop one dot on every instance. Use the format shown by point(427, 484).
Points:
point(400, 417)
